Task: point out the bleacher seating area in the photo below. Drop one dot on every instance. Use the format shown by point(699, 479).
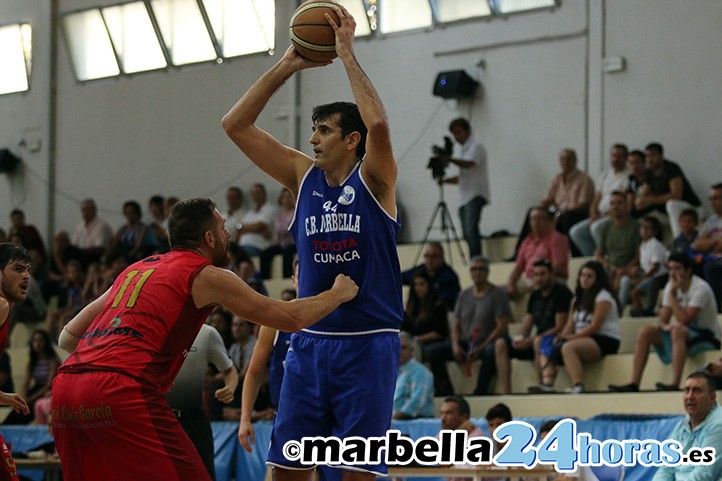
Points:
point(612, 369)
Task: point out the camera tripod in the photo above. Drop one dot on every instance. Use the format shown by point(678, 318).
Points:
point(447, 227)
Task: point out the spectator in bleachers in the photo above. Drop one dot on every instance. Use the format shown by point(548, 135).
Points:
point(71, 298)
point(482, 315)
point(455, 414)
point(497, 415)
point(665, 189)
point(584, 234)
point(650, 264)
point(33, 241)
point(442, 275)
point(283, 243)
point(221, 319)
point(3, 235)
point(39, 374)
point(473, 181)
point(92, 235)
point(688, 220)
point(61, 253)
point(542, 242)
point(257, 223)
point(240, 352)
point(546, 314)
point(619, 240)
point(710, 242)
point(592, 331)
point(159, 224)
point(244, 268)
point(691, 301)
point(701, 428)
point(569, 196)
point(233, 216)
point(414, 392)
point(133, 239)
point(425, 315)
point(170, 201)
point(637, 173)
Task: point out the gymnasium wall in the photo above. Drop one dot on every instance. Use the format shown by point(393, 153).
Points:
point(544, 89)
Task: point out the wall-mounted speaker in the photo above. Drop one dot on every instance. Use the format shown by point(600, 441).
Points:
point(8, 161)
point(454, 84)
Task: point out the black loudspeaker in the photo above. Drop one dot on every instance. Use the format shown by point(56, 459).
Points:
point(454, 84)
point(8, 161)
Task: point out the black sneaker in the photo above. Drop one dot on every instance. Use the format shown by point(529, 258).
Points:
point(623, 387)
point(666, 387)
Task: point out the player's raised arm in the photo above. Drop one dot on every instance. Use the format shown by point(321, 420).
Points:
point(214, 285)
point(283, 163)
point(379, 166)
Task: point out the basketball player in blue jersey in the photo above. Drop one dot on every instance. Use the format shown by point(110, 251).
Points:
point(340, 372)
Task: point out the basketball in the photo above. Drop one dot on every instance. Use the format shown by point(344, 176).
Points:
point(311, 34)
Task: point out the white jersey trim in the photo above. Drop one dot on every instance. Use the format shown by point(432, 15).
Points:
point(354, 333)
point(363, 181)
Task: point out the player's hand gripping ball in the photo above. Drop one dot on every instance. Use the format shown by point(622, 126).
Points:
point(311, 34)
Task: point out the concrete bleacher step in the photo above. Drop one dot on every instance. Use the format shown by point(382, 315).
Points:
point(612, 369)
point(581, 406)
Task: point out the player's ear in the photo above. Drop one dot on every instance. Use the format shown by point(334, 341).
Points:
point(352, 140)
point(208, 237)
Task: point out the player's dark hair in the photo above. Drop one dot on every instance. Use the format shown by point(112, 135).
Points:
point(349, 120)
point(10, 252)
point(189, 220)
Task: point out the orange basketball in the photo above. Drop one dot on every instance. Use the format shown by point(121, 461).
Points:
point(311, 34)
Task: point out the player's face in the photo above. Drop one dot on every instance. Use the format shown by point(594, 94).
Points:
point(697, 400)
point(328, 144)
point(16, 280)
point(221, 255)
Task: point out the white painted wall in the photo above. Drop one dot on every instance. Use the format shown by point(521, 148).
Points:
point(543, 90)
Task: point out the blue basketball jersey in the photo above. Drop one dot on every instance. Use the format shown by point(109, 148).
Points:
point(344, 230)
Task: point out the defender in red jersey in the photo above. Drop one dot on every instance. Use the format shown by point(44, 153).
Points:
point(14, 280)
point(110, 416)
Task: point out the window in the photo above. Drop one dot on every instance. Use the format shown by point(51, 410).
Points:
point(242, 26)
point(397, 15)
point(450, 10)
point(133, 37)
point(15, 57)
point(184, 31)
point(89, 44)
point(511, 6)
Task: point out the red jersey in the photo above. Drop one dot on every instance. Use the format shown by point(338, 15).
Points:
point(147, 324)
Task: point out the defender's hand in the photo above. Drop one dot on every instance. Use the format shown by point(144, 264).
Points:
point(345, 287)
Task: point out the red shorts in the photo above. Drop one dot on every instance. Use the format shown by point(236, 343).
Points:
point(8, 472)
point(108, 426)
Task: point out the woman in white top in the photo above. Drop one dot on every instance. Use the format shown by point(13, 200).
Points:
point(591, 332)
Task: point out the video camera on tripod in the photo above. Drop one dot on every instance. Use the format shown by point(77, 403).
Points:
point(440, 161)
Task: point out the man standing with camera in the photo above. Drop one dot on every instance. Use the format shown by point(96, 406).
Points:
point(473, 180)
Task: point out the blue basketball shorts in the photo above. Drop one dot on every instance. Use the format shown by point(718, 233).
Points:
point(340, 386)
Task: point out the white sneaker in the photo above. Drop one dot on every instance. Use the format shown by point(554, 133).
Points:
point(578, 389)
point(541, 389)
